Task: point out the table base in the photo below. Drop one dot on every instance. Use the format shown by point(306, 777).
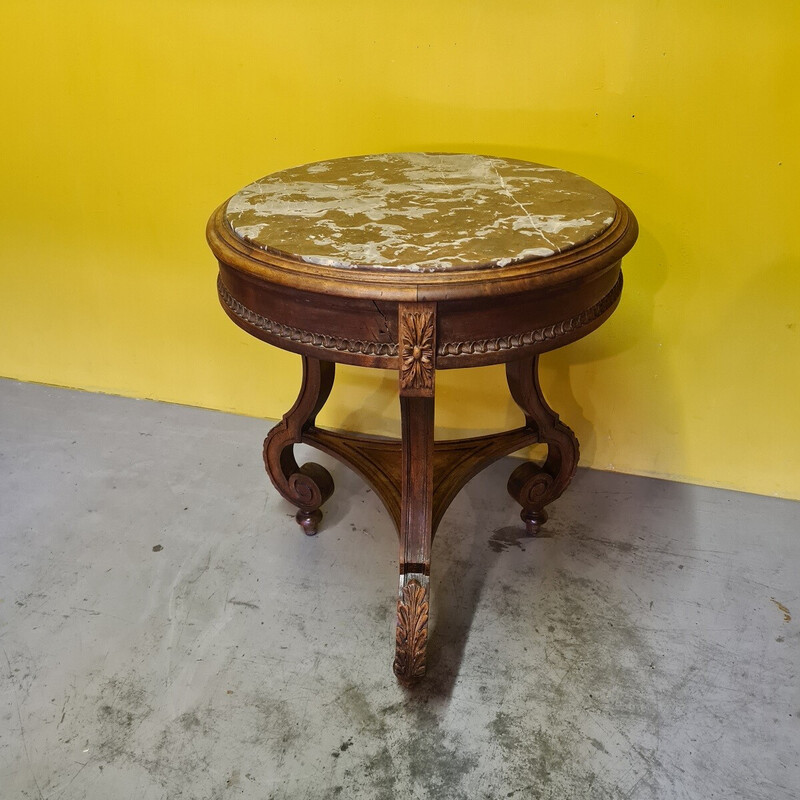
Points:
point(417, 478)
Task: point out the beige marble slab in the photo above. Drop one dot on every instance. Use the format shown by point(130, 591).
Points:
point(420, 212)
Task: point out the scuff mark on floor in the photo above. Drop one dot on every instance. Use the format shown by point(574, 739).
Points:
point(787, 617)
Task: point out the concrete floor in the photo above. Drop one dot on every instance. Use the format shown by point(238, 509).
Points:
point(168, 632)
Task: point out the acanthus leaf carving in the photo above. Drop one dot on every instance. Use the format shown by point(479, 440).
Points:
point(411, 635)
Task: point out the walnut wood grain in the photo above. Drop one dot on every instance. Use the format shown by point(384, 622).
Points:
point(455, 462)
point(468, 333)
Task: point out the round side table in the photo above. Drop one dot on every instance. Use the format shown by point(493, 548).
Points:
point(417, 262)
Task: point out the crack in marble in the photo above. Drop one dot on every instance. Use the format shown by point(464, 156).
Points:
point(508, 191)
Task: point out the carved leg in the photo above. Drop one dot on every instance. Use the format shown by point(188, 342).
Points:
point(532, 486)
point(310, 485)
point(416, 517)
point(417, 325)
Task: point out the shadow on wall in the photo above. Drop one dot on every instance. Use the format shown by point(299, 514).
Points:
point(645, 393)
point(376, 408)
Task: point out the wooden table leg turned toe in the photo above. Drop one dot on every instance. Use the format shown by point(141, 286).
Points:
point(310, 485)
point(531, 485)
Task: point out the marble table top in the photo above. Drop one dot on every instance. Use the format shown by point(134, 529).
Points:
point(420, 212)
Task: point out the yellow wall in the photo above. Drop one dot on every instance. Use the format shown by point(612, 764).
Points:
point(125, 124)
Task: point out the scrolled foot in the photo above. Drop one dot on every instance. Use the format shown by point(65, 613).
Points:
point(411, 637)
point(531, 486)
point(310, 485)
point(307, 486)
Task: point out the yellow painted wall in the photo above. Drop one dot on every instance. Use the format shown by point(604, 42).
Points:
point(125, 124)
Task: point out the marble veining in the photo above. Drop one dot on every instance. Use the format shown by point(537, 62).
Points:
point(420, 212)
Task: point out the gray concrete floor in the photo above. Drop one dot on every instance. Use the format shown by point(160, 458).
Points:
point(168, 632)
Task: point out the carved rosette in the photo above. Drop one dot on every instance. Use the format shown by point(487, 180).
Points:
point(411, 636)
point(417, 349)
